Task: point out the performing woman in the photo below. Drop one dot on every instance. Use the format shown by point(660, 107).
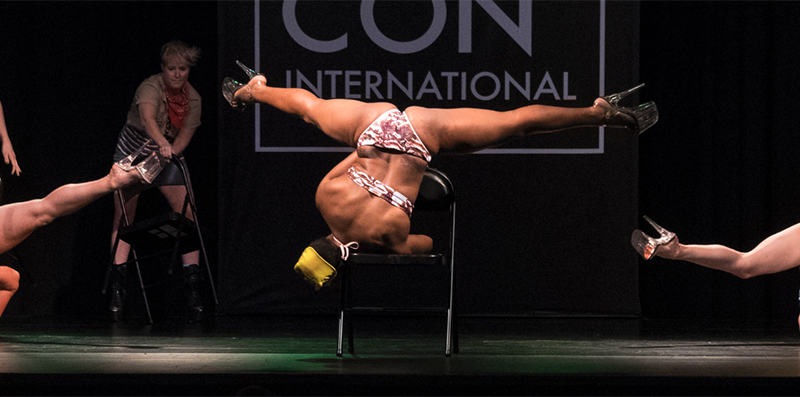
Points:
point(368, 198)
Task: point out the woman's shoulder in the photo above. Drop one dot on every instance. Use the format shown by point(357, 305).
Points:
point(151, 86)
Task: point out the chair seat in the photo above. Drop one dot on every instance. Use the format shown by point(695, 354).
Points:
point(397, 259)
point(159, 233)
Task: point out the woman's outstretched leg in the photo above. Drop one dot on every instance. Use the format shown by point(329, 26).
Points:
point(777, 253)
point(340, 119)
point(461, 130)
point(9, 282)
point(19, 220)
point(466, 130)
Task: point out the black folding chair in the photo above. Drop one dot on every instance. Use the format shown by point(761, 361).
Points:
point(171, 233)
point(436, 194)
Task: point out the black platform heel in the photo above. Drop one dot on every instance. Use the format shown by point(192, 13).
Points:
point(637, 119)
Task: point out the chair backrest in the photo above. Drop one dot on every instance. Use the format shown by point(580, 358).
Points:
point(436, 192)
point(172, 173)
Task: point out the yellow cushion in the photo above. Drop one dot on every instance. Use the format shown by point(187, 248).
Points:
point(315, 269)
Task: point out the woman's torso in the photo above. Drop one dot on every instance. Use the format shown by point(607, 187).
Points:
point(353, 214)
point(152, 91)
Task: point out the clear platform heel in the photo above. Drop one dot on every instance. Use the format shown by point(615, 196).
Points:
point(647, 246)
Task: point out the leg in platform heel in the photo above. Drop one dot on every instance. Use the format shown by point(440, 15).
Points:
point(127, 163)
point(637, 119)
point(229, 89)
point(647, 246)
point(149, 168)
point(231, 86)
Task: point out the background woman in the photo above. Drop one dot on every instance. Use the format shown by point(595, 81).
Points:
point(166, 113)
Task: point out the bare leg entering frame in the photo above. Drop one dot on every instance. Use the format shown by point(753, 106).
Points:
point(19, 220)
point(775, 254)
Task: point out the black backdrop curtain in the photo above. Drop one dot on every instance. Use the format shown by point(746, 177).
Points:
point(722, 166)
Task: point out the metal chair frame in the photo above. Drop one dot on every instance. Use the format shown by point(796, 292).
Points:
point(436, 194)
point(128, 232)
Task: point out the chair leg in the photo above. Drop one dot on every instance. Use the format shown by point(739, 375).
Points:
point(452, 319)
point(141, 287)
point(205, 257)
point(340, 340)
point(342, 303)
point(448, 339)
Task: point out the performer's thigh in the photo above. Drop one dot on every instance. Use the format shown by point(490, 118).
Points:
point(345, 119)
point(462, 129)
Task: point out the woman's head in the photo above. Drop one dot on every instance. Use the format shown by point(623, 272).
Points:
point(177, 48)
point(176, 60)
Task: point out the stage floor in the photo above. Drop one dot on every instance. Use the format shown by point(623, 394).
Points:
point(295, 355)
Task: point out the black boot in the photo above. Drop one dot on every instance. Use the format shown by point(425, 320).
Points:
point(117, 291)
point(191, 278)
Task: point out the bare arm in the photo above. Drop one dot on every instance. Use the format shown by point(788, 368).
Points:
point(147, 113)
point(8, 150)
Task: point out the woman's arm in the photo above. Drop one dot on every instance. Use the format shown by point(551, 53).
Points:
point(147, 114)
point(8, 150)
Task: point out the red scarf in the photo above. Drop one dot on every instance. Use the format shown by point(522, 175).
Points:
point(178, 106)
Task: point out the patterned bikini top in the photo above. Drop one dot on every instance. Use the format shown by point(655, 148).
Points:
point(392, 130)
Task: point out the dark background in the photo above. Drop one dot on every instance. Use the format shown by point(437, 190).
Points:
point(717, 168)
point(721, 166)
